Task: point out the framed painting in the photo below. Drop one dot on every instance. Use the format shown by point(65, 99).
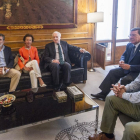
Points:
point(37, 14)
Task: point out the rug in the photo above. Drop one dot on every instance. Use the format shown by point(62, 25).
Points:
point(79, 131)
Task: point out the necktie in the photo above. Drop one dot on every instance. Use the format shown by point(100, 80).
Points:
point(133, 50)
point(132, 53)
point(60, 55)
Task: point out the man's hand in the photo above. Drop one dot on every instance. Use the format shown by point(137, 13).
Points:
point(55, 61)
point(28, 68)
point(5, 68)
point(118, 90)
point(121, 62)
point(82, 50)
point(125, 66)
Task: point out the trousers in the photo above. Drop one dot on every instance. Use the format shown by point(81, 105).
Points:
point(34, 74)
point(66, 72)
point(15, 76)
point(114, 105)
point(114, 76)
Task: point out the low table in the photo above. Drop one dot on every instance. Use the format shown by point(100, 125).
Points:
point(33, 106)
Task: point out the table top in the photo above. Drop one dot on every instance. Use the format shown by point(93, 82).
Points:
point(34, 105)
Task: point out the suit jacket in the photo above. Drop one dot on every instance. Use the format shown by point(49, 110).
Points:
point(25, 54)
point(134, 62)
point(50, 52)
point(8, 57)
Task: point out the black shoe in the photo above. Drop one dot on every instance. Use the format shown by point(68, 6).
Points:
point(56, 88)
point(99, 95)
point(68, 84)
point(63, 87)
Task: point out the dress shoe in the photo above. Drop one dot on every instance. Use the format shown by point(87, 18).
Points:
point(99, 95)
point(56, 88)
point(100, 136)
point(65, 85)
point(68, 84)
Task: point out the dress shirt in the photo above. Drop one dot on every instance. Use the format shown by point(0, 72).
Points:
point(2, 58)
point(136, 46)
point(57, 52)
point(132, 93)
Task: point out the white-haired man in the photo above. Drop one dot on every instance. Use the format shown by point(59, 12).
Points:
point(56, 58)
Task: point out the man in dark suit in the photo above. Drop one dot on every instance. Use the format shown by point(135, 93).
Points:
point(129, 66)
point(6, 64)
point(56, 58)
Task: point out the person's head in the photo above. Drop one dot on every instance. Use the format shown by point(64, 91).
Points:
point(135, 35)
point(2, 38)
point(28, 39)
point(56, 37)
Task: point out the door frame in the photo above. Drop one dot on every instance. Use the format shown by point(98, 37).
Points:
point(114, 29)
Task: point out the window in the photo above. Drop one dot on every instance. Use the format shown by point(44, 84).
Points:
point(124, 18)
point(104, 29)
point(115, 29)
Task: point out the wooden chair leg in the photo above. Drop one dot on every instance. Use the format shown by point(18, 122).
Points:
point(84, 81)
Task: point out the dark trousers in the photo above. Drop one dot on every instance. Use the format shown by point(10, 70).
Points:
point(66, 72)
point(114, 76)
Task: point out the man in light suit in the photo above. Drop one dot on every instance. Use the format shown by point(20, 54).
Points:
point(129, 66)
point(56, 58)
point(6, 64)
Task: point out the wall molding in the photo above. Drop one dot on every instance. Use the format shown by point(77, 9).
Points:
point(40, 40)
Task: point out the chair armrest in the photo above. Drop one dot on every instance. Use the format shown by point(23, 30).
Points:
point(78, 58)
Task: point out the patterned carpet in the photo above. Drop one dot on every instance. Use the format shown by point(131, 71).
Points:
point(79, 131)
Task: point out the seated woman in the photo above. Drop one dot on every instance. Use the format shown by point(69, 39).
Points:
point(31, 61)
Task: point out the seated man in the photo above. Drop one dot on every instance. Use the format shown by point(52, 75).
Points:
point(124, 102)
point(56, 58)
point(129, 66)
point(6, 64)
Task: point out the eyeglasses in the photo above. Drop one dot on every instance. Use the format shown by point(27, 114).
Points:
point(132, 35)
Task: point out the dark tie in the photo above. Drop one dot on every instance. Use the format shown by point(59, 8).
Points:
point(133, 50)
point(60, 55)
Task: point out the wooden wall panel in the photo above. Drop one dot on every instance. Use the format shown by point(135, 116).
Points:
point(82, 36)
point(137, 15)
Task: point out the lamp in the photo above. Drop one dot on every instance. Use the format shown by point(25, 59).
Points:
point(94, 18)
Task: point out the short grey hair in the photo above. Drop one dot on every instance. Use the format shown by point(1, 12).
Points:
point(56, 33)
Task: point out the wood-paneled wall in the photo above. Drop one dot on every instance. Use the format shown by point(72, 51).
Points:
point(82, 36)
point(137, 15)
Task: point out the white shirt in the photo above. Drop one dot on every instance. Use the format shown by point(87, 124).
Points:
point(137, 46)
point(2, 57)
point(57, 51)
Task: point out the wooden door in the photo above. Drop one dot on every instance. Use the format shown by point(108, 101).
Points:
point(100, 55)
